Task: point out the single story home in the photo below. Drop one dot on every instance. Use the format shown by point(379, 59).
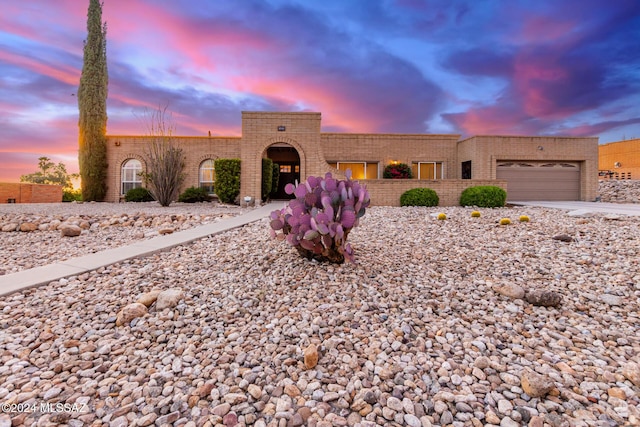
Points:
point(528, 167)
point(619, 160)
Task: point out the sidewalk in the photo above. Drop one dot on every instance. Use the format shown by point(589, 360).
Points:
point(72, 267)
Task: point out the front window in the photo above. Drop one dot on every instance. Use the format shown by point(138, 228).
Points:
point(427, 170)
point(131, 170)
point(207, 175)
point(359, 170)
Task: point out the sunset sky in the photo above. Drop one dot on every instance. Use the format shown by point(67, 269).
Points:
point(546, 67)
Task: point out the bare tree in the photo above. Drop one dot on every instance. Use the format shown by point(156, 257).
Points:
point(163, 158)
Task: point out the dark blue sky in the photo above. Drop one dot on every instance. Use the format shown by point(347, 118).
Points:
point(545, 67)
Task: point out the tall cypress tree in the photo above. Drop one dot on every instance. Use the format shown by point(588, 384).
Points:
point(92, 104)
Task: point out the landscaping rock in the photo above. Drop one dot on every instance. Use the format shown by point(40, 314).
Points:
point(544, 298)
point(130, 312)
point(169, 298)
point(536, 385)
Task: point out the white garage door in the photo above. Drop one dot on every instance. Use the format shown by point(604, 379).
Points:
point(540, 181)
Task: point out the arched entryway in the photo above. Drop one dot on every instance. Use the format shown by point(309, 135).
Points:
point(288, 159)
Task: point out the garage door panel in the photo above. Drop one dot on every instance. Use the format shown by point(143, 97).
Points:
point(540, 183)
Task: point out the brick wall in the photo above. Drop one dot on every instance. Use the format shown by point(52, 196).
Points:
point(387, 192)
point(196, 149)
point(30, 193)
point(485, 151)
point(302, 131)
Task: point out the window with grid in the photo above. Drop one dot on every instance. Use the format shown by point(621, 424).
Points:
point(131, 170)
point(207, 175)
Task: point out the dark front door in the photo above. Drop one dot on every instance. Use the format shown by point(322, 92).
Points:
point(289, 161)
point(289, 173)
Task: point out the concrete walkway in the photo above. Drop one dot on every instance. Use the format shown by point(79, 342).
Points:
point(587, 207)
point(72, 267)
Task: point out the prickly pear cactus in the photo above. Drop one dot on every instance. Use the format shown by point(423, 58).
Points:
point(319, 219)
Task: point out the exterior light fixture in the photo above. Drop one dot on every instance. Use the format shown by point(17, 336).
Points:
point(282, 128)
point(117, 143)
point(617, 164)
point(540, 147)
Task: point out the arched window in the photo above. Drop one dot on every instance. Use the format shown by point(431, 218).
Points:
point(131, 170)
point(207, 175)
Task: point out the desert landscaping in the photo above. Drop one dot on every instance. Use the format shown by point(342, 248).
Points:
point(461, 322)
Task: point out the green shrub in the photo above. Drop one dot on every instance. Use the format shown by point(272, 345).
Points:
point(397, 171)
point(275, 180)
point(72, 195)
point(227, 179)
point(267, 178)
point(194, 194)
point(484, 196)
point(139, 194)
point(419, 197)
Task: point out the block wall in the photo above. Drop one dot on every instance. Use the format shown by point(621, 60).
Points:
point(196, 150)
point(387, 192)
point(486, 151)
point(621, 158)
point(30, 193)
point(260, 130)
point(388, 148)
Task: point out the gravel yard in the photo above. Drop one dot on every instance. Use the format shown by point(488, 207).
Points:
point(423, 330)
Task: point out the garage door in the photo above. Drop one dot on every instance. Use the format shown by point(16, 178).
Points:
point(540, 181)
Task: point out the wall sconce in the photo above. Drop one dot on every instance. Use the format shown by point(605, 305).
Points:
point(281, 128)
point(540, 148)
point(117, 143)
point(617, 164)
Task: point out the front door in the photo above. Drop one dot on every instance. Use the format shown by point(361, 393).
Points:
point(289, 174)
point(289, 161)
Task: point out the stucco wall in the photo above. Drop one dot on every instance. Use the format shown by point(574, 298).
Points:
point(30, 193)
point(622, 158)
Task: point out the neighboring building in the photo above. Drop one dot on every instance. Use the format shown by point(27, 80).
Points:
point(23, 192)
point(529, 167)
point(619, 160)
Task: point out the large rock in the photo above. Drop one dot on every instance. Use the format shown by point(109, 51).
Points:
point(10, 227)
point(169, 298)
point(310, 356)
point(544, 298)
point(28, 226)
point(510, 290)
point(612, 299)
point(130, 312)
point(69, 230)
point(536, 385)
point(149, 298)
point(631, 371)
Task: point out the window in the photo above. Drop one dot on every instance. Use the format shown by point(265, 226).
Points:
point(359, 170)
point(466, 169)
point(285, 168)
point(427, 170)
point(131, 170)
point(207, 175)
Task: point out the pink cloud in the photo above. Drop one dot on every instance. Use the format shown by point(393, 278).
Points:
point(64, 73)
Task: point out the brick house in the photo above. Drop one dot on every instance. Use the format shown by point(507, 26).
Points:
point(528, 167)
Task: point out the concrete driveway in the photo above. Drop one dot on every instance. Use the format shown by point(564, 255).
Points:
point(586, 207)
